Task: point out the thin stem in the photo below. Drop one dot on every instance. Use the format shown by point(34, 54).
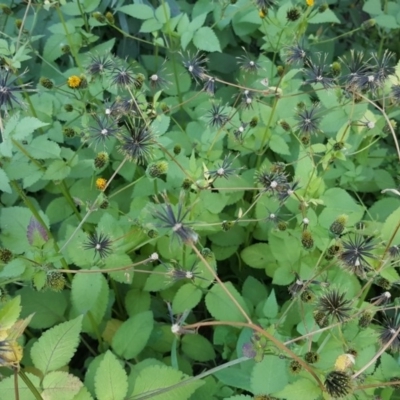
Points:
point(30, 385)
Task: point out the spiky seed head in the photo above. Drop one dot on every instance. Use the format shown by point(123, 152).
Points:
point(293, 14)
point(6, 255)
point(338, 384)
point(101, 160)
point(99, 17)
point(338, 225)
point(69, 132)
point(254, 122)
point(285, 126)
point(152, 233)
point(338, 146)
point(311, 357)
point(295, 367)
point(383, 283)
point(307, 240)
point(305, 139)
point(157, 169)
point(110, 17)
point(104, 204)
point(55, 281)
point(333, 303)
point(282, 226)
point(177, 149)
point(321, 319)
point(187, 184)
point(307, 296)
point(47, 83)
point(365, 319)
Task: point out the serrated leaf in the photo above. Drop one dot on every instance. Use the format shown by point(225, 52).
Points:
point(40, 147)
point(278, 145)
point(57, 170)
point(60, 385)
point(390, 226)
point(7, 387)
point(198, 348)
point(220, 305)
point(9, 313)
point(163, 13)
point(26, 126)
point(4, 182)
point(301, 389)
point(56, 346)
point(14, 268)
point(49, 307)
point(166, 377)
point(131, 338)
point(111, 381)
point(205, 39)
point(256, 255)
point(186, 298)
point(269, 375)
point(139, 11)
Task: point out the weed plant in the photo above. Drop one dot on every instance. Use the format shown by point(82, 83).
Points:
point(200, 200)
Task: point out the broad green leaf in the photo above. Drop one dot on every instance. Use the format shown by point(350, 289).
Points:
point(7, 388)
point(279, 145)
point(269, 376)
point(205, 39)
point(60, 385)
point(117, 261)
point(57, 170)
point(139, 11)
point(9, 313)
point(327, 16)
point(4, 182)
point(271, 307)
point(49, 307)
point(152, 378)
point(301, 389)
point(150, 25)
point(26, 126)
point(256, 255)
point(111, 381)
point(390, 228)
point(186, 298)
point(198, 348)
point(137, 301)
point(254, 290)
point(90, 296)
point(221, 306)
point(132, 336)
point(163, 13)
point(40, 147)
point(83, 394)
point(56, 346)
point(14, 268)
point(337, 201)
point(235, 377)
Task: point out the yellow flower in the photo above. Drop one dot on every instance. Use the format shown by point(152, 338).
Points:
point(310, 2)
point(344, 361)
point(74, 81)
point(101, 183)
point(262, 13)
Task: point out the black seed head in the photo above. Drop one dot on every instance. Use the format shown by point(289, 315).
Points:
point(334, 304)
point(338, 384)
point(311, 357)
point(100, 243)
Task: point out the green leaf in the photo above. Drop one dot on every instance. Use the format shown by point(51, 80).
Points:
point(156, 377)
point(198, 348)
point(9, 313)
point(40, 147)
point(337, 202)
point(4, 182)
point(26, 126)
point(49, 307)
point(270, 309)
point(327, 16)
point(236, 377)
point(57, 170)
point(163, 13)
point(137, 301)
point(90, 294)
point(256, 255)
point(278, 145)
point(186, 298)
point(373, 7)
point(269, 375)
point(56, 346)
point(220, 305)
point(7, 387)
point(390, 229)
point(60, 385)
point(132, 336)
point(301, 389)
point(150, 25)
point(14, 268)
point(254, 290)
point(111, 381)
point(205, 39)
point(139, 11)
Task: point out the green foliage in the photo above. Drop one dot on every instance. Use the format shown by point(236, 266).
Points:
point(205, 205)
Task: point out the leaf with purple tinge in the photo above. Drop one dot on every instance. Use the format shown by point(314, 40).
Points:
point(36, 234)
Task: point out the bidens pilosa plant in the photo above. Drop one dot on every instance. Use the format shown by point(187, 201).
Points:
point(200, 199)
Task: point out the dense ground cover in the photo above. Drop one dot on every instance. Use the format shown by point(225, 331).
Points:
point(200, 199)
